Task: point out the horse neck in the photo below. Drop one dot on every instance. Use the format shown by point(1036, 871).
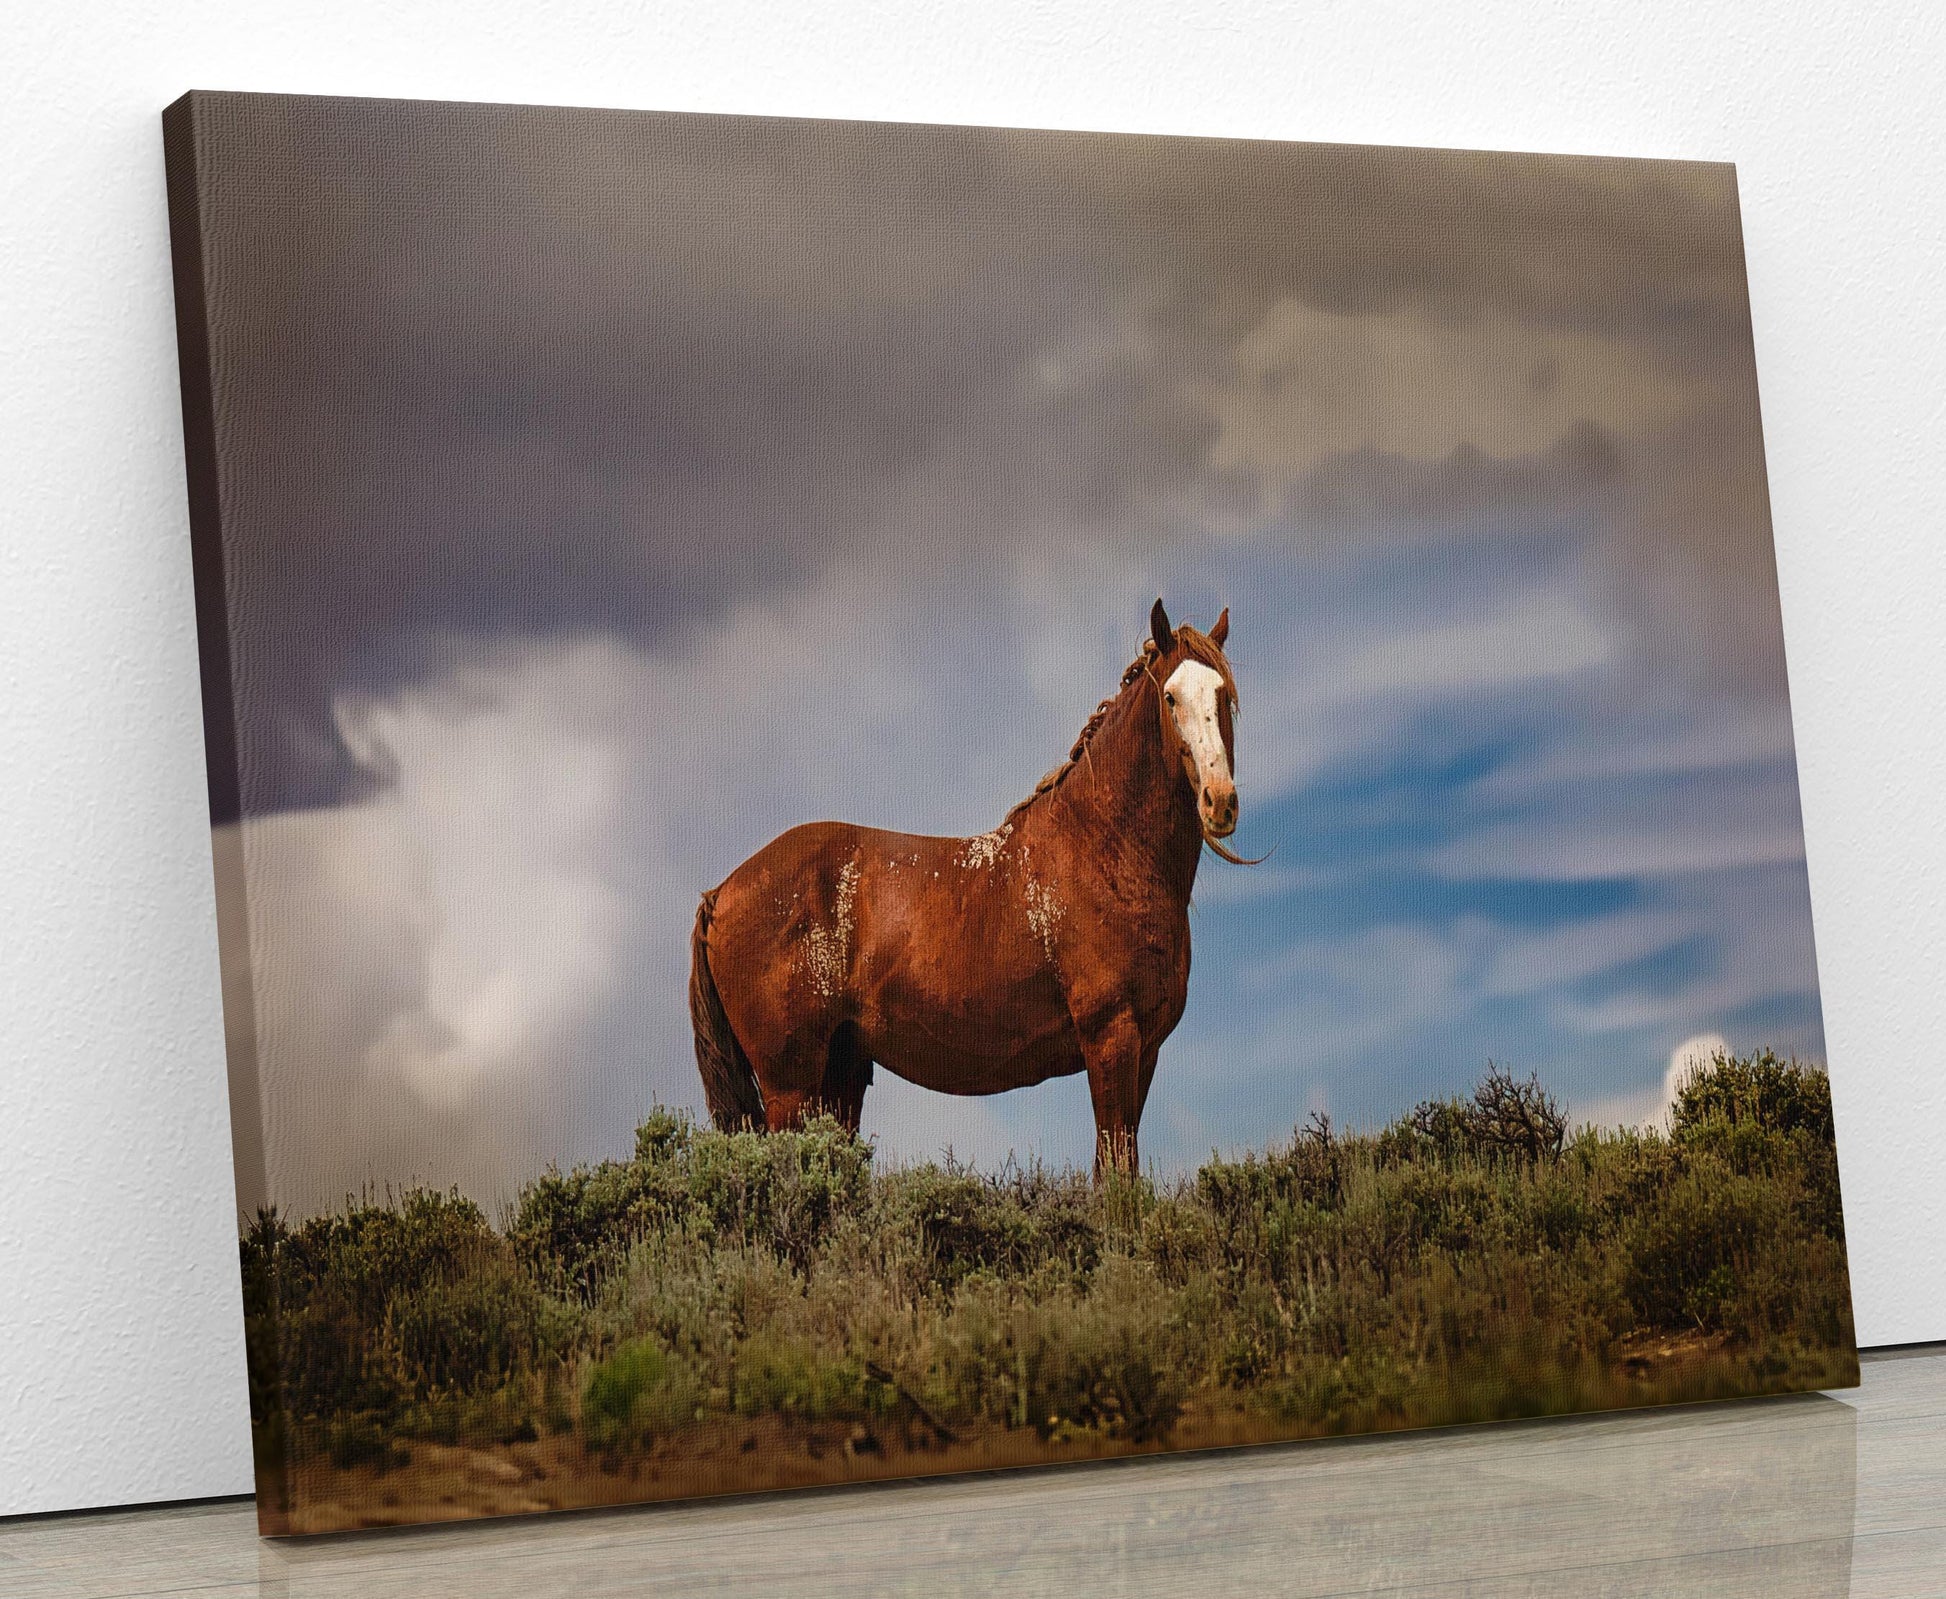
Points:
point(1128, 788)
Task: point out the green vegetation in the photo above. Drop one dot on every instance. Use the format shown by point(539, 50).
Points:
point(1473, 1260)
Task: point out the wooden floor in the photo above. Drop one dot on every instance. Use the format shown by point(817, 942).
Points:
point(1783, 1498)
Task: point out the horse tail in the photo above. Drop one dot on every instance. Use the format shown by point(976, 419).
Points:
point(729, 1083)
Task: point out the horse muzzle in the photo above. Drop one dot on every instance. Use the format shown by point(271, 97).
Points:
point(1219, 811)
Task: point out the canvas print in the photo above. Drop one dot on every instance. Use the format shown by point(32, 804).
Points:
point(895, 799)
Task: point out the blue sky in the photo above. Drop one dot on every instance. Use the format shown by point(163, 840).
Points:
point(605, 494)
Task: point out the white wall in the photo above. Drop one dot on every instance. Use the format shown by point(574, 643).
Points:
point(121, 1367)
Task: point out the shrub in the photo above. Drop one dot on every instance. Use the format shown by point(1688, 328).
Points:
point(1759, 1091)
point(1766, 1117)
point(364, 1440)
point(1178, 1239)
point(1505, 1118)
point(1467, 1261)
point(1691, 1247)
point(961, 1222)
point(1510, 1117)
point(392, 1301)
point(573, 1229)
point(1107, 1363)
point(780, 1375)
point(637, 1394)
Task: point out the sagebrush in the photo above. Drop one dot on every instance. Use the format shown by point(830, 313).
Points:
point(1473, 1260)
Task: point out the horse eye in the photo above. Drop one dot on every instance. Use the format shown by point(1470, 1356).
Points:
point(1170, 698)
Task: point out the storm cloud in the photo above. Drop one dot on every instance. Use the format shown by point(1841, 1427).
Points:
point(603, 492)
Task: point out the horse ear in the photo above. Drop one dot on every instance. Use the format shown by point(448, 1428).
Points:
point(1221, 632)
point(1160, 630)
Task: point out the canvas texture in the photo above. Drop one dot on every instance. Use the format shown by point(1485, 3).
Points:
point(893, 799)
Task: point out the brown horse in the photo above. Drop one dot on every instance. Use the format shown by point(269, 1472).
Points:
point(1057, 943)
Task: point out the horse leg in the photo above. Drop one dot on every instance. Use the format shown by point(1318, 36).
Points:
point(1114, 1053)
point(791, 1080)
point(1145, 1077)
point(785, 1108)
point(817, 1073)
point(847, 1074)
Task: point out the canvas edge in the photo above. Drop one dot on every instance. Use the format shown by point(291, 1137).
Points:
point(1076, 132)
point(1790, 710)
point(181, 143)
point(181, 124)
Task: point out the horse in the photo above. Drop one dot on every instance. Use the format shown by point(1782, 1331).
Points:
point(1057, 943)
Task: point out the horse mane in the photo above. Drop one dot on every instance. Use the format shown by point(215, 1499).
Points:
point(1193, 642)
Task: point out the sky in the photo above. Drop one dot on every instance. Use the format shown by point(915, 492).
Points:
point(604, 492)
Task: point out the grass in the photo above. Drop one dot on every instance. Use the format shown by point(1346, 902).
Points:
point(733, 1293)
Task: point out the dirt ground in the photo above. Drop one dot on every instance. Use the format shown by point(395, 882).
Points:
point(447, 1482)
point(458, 1482)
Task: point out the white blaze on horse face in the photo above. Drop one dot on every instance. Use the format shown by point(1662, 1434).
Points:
point(1191, 695)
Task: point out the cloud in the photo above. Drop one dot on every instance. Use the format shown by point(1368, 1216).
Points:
point(1682, 738)
point(1337, 680)
point(1526, 961)
point(1630, 832)
point(500, 785)
point(1052, 1122)
point(1307, 384)
point(430, 963)
point(1533, 636)
point(563, 372)
point(1754, 928)
point(669, 481)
